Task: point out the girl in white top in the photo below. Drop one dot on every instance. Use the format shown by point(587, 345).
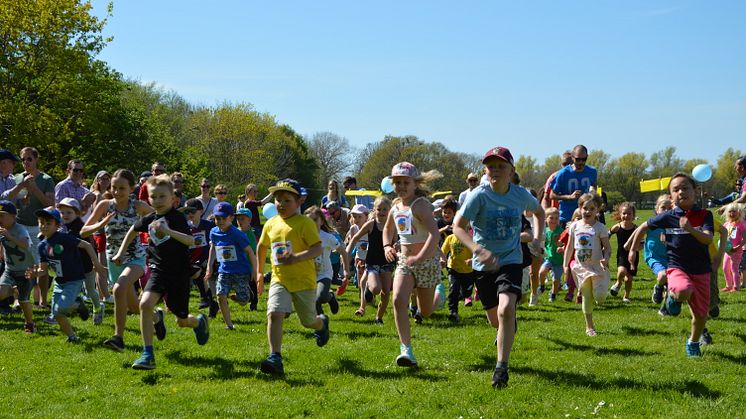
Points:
point(412, 218)
point(589, 239)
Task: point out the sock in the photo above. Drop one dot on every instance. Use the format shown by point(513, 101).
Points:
point(502, 365)
point(147, 349)
point(690, 342)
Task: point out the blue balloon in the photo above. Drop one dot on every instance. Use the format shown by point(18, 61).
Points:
point(702, 172)
point(387, 185)
point(269, 210)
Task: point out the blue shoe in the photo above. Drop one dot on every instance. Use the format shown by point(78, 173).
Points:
point(202, 331)
point(273, 364)
point(440, 293)
point(692, 349)
point(322, 336)
point(145, 362)
point(673, 307)
point(406, 357)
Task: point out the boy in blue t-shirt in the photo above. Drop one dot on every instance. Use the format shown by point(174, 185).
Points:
point(494, 213)
point(58, 254)
point(235, 261)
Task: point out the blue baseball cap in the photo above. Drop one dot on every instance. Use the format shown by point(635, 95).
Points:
point(223, 209)
point(7, 155)
point(49, 213)
point(7, 206)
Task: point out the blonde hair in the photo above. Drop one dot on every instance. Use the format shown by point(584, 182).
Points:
point(220, 187)
point(590, 197)
point(380, 200)
point(551, 211)
point(315, 213)
point(421, 184)
point(576, 215)
point(160, 180)
point(662, 200)
point(737, 207)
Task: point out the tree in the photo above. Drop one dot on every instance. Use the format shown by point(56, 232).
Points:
point(624, 174)
point(529, 172)
point(332, 153)
point(724, 172)
point(665, 163)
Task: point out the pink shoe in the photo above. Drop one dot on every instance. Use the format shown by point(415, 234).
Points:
point(342, 288)
point(467, 302)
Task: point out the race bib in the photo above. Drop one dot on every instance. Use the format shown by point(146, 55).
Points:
point(403, 220)
point(279, 249)
point(200, 240)
point(55, 268)
point(226, 253)
point(584, 246)
point(156, 236)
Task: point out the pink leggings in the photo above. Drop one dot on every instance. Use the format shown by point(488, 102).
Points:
point(730, 268)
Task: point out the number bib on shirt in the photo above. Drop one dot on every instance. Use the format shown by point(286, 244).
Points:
point(403, 220)
point(157, 237)
point(226, 253)
point(584, 246)
point(280, 248)
point(200, 240)
point(55, 269)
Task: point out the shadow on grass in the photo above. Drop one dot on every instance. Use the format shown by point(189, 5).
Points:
point(737, 359)
point(351, 366)
point(601, 351)
point(741, 336)
point(732, 319)
point(692, 387)
point(638, 331)
point(222, 369)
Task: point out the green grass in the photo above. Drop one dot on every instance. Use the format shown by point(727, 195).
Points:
point(636, 367)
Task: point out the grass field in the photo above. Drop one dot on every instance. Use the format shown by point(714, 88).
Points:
point(635, 367)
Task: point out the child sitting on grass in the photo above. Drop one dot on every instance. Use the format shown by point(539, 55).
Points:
point(169, 239)
point(293, 241)
point(19, 262)
point(235, 261)
point(59, 255)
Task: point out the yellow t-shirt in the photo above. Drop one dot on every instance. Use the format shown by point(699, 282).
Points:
point(460, 254)
point(294, 234)
point(715, 244)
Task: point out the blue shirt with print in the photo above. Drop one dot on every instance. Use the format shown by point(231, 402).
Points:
point(229, 250)
point(568, 181)
point(496, 220)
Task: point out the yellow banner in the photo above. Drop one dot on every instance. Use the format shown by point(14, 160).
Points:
point(652, 185)
point(441, 193)
point(363, 193)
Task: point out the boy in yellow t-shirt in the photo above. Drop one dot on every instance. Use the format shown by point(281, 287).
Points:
point(460, 273)
point(294, 243)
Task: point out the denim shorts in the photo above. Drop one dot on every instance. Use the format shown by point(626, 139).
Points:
point(64, 295)
point(656, 266)
point(389, 267)
point(236, 282)
point(557, 270)
point(115, 271)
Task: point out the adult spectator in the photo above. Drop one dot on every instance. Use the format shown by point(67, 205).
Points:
point(332, 194)
point(740, 193)
point(178, 180)
point(472, 181)
point(572, 181)
point(350, 184)
point(546, 200)
point(338, 217)
point(38, 192)
point(8, 162)
point(157, 168)
point(249, 201)
point(208, 202)
point(72, 187)
point(141, 183)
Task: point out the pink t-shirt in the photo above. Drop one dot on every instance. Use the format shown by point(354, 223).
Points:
point(735, 232)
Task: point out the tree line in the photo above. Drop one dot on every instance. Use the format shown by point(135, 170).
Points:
point(56, 95)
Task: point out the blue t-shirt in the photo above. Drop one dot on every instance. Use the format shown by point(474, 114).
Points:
point(655, 249)
point(496, 220)
point(568, 181)
point(229, 249)
point(684, 251)
point(61, 253)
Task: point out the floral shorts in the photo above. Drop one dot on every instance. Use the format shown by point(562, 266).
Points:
point(426, 274)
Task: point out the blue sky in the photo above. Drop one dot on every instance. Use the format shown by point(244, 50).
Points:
point(535, 76)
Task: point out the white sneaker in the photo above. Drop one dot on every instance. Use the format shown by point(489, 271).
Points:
point(406, 357)
point(534, 300)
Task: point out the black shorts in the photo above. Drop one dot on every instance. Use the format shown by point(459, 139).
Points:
point(622, 259)
point(174, 289)
point(508, 278)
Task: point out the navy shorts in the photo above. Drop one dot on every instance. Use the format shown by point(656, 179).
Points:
point(174, 289)
point(491, 284)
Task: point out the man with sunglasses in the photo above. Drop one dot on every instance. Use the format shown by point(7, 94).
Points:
point(72, 187)
point(572, 181)
point(472, 181)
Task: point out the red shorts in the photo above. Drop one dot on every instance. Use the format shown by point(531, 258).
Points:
point(698, 284)
point(100, 241)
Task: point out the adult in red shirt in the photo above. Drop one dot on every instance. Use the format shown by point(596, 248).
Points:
point(546, 201)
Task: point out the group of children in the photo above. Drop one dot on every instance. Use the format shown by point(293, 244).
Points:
point(399, 250)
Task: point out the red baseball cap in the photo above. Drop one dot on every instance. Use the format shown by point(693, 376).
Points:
point(499, 152)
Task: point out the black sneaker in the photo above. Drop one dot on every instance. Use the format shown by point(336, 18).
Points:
point(322, 335)
point(418, 317)
point(160, 326)
point(715, 312)
point(204, 304)
point(706, 338)
point(500, 377)
point(273, 364)
point(378, 321)
point(115, 343)
point(214, 308)
point(663, 312)
point(83, 310)
point(453, 317)
point(412, 310)
point(334, 304)
point(657, 294)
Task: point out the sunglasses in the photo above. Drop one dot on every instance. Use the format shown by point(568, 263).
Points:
point(221, 193)
point(77, 170)
point(28, 159)
point(472, 180)
point(580, 158)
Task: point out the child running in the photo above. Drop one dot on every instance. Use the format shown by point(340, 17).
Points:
point(116, 216)
point(457, 258)
point(688, 232)
point(418, 266)
point(244, 216)
point(59, 255)
point(589, 239)
point(324, 271)
point(169, 239)
point(655, 253)
point(16, 245)
point(626, 265)
point(734, 247)
point(378, 269)
point(553, 252)
point(199, 253)
point(359, 215)
point(494, 212)
point(294, 242)
point(236, 261)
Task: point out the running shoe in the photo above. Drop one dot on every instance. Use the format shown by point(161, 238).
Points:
point(115, 343)
point(144, 362)
point(706, 338)
point(202, 331)
point(273, 364)
point(159, 324)
point(406, 357)
point(657, 294)
point(322, 335)
point(614, 290)
point(692, 349)
point(500, 377)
